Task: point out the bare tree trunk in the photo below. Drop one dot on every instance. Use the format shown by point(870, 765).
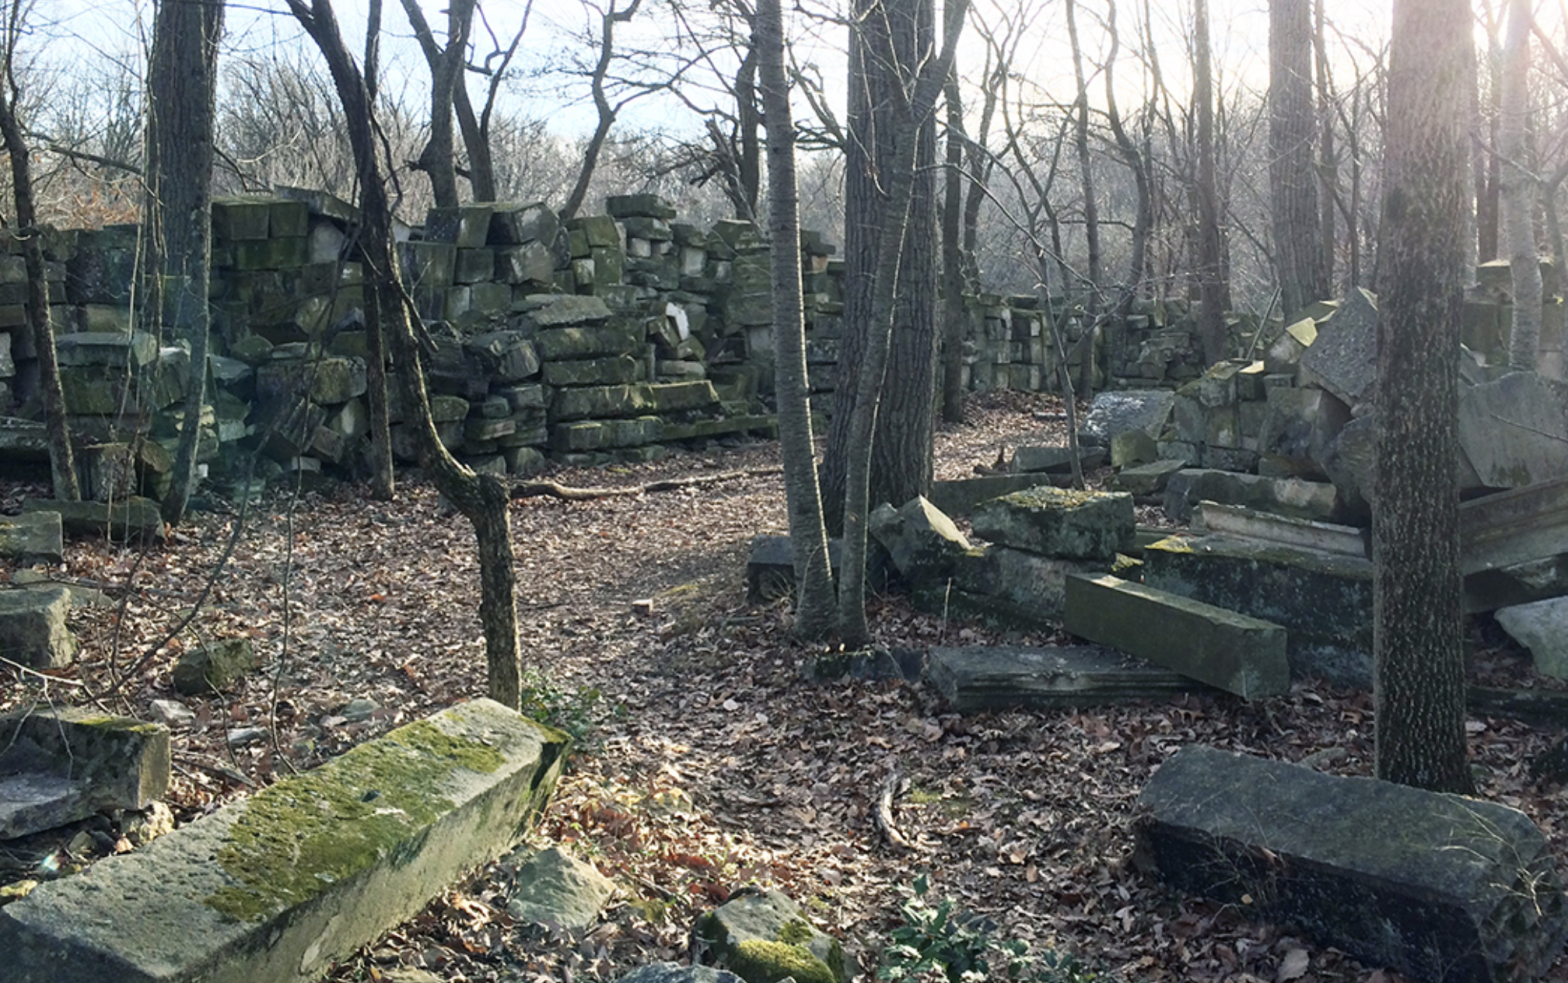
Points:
point(1293, 189)
point(437, 159)
point(899, 181)
point(815, 613)
point(1213, 336)
point(954, 314)
point(1418, 639)
point(62, 463)
point(1091, 207)
point(181, 120)
point(483, 499)
point(1328, 165)
point(1487, 166)
point(1517, 194)
point(1137, 163)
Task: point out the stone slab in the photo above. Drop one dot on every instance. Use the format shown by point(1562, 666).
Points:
point(1343, 358)
point(34, 537)
point(1115, 412)
point(134, 518)
point(1323, 600)
point(993, 677)
point(1058, 460)
point(1231, 651)
point(1514, 431)
point(276, 887)
point(923, 542)
point(1515, 526)
point(1019, 587)
point(1239, 522)
point(1541, 627)
point(1314, 500)
point(1434, 886)
point(959, 496)
point(62, 764)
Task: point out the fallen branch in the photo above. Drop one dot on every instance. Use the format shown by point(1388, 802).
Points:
point(885, 823)
point(570, 493)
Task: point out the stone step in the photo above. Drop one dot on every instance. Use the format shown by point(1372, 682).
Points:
point(991, 677)
point(278, 886)
point(1238, 654)
point(61, 765)
point(959, 496)
point(1434, 886)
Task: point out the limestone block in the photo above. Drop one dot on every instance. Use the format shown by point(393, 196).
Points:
point(430, 264)
point(1343, 359)
point(1323, 600)
point(1055, 458)
point(272, 254)
point(556, 888)
point(1234, 652)
point(1058, 522)
point(923, 542)
point(62, 764)
point(531, 262)
point(465, 226)
point(515, 224)
point(1019, 587)
point(1541, 627)
point(1286, 496)
point(33, 630)
point(279, 885)
point(765, 935)
point(600, 230)
point(1301, 422)
point(996, 677)
point(1514, 431)
point(1433, 886)
point(474, 265)
point(1284, 355)
point(593, 402)
point(1113, 412)
point(606, 370)
point(215, 666)
point(134, 518)
point(561, 344)
point(505, 356)
point(235, 219)
point(34, 537)
point(639, 206)
point(1146, 479)
point(960, 496)
point(117, 349)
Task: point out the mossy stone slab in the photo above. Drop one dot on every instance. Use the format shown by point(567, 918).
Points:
point(763, 936)
point(277, 886)
point(1058, 522)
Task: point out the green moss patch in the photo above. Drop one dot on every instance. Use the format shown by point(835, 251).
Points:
point(760, 961)
point(304, 833)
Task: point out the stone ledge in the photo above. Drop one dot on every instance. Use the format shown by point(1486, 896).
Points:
point(275, 887)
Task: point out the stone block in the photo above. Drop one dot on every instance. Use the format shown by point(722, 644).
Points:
point(429, 264)
point(115, 349)
point(272, 254)
point(603, 371)
point(465, 226)
point(563, 344)
point(281, 884)
point(63, 764)
point(765, 936)
point(1016, 587)
point(1236, 653)
point(1133, 447)
point(923, 542)
point(1058, 522)
point(34, 537)
point(1514, 431)
point(555, 888)
point(600, 230)
point(237, 219)
point(514, 224)
point(532, 262)
point(474, 265)
point(1285, 496)
point(675, 973)
point(1301, 423)
point(1433, 886)
point(505, 356)
point(1343, 359)
point(214, 666)
point(1146, 479)
point(33, 631)
point(960, 496)
point(134, 518)
point(639, 206)
point(997, 677)
point(594, 402)
point(1114, 412)
point(1323, 600)
point(1542, 628)
point(1054, 459)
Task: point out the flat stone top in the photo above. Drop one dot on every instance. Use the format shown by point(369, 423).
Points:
point(1051, 663)
point(1440, 842)
point(1058, 499)
point(1317, 561)
point(205, 889)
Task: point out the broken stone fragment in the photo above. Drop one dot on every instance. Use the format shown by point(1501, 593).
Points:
point(555, 888)
point(216, 666)
point(33, 631)
point(1541, 627)
point(763, 936)
point(924, 543)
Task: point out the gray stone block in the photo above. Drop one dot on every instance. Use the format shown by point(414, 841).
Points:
point(1021, 587)
point(1434, 886)
point(959, 496)
point(1112, 413)
point(1541, 627)
point(1058, 522)
point(1514, 431)
point(923, 542)
point(33, 630)
point(556, 888)
point(673, 973)
point(1286, 496)
point(1055, 459)
point(763, 935)
point(995, 677)
point(64, 764)
point(1343, 359)
point(279, 885)
point(34, 537)
point(1323, 600)
point(1238, 654)
point(134, 518)
point(215, 666)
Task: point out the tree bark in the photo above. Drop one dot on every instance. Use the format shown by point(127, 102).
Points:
point(1517, 194)
point(482, 499)
point(815, 611)
point(1293, 183)
point(1137, 163)
point(1213, 336)
point(1091, 207)
point(954, 314)
point(62, 463)
point(177, 223)
point(1418, 642)
point(1328, 165)
point(606, 110)
point(889, 46)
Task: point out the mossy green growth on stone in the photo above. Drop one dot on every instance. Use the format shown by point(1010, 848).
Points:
point(334, 822)
point(760, 961)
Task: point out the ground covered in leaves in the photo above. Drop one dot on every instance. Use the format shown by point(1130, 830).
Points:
point(706, 763)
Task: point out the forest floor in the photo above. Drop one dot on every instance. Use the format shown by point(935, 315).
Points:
point(708, 763)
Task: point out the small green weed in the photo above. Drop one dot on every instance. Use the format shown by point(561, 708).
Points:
point(576, 711)
point(962, 947)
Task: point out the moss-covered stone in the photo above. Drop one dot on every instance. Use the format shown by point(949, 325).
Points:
point(764, 937)
point(759, 961)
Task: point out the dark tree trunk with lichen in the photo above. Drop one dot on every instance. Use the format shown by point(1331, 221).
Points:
point(1418, 639)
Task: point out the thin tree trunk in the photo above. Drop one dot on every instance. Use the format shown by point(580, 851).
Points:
point(1143, 221)
point(954, 319)
point(62, 463)
point(1517, 194)
point(482, 499)
point(607, 112)
point(815, 612)
point(1213, 336)
point(1091, 207)
point(182, 88)
point(1418, 638)
point(1328, 166)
